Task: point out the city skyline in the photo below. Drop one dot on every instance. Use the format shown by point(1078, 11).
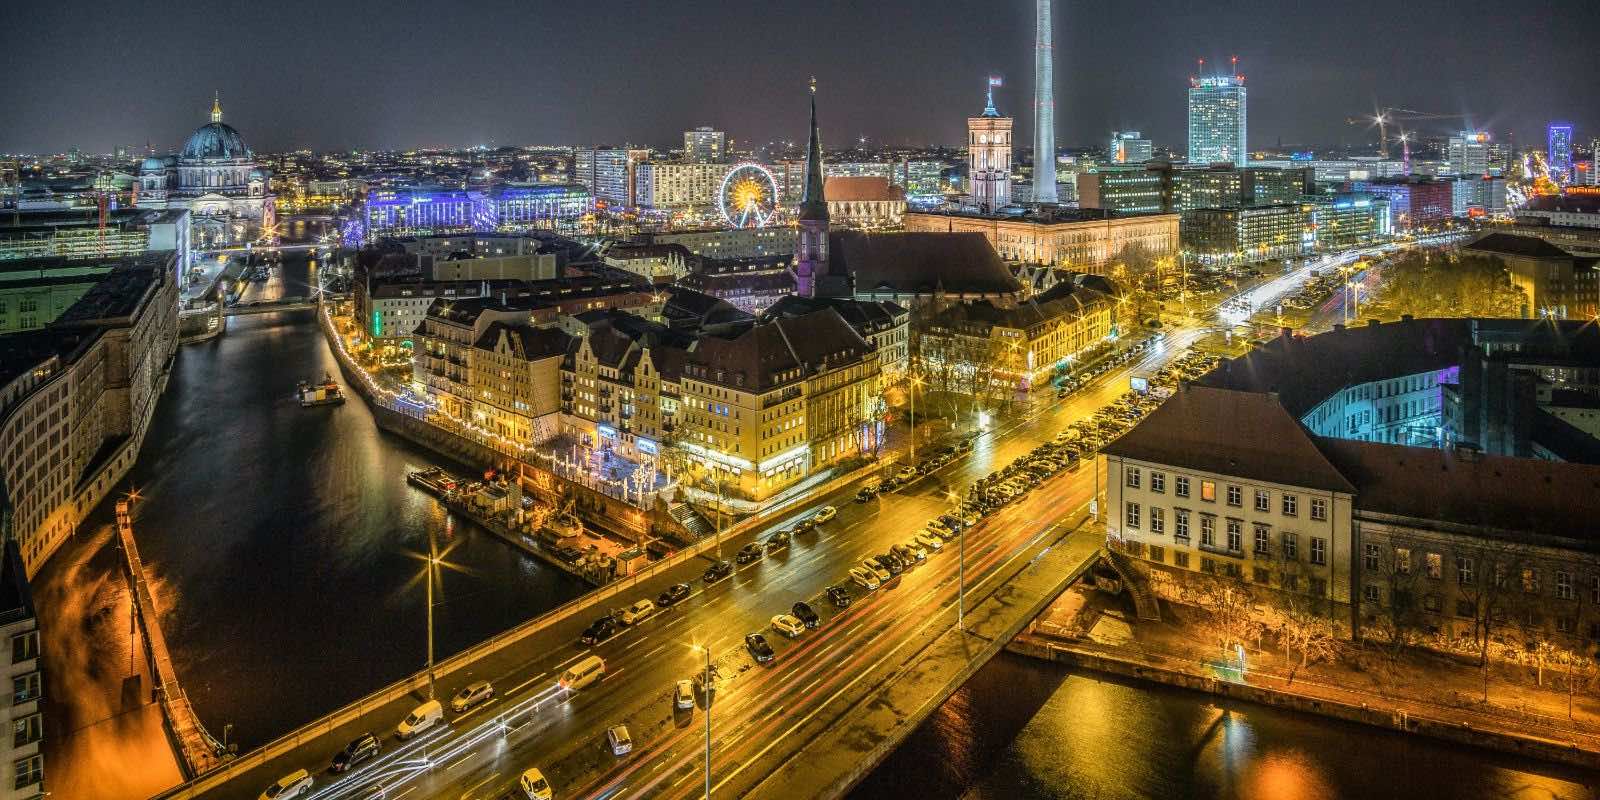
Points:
point(471, 85)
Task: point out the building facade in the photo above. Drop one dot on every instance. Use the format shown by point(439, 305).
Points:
point(1217, 120)
point(1467, 154)
point(989, 157)
point(21, 753)
point(706, 146)
point(868, 203)
point(1128, 147)
point(216, 178)
point(1558, 153)
point(1248, 235)
point(1083, 241)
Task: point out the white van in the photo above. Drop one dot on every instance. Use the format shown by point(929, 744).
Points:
point(638, 612)
point(534, 785)
point(292, 785)
point(583, 673)
point(420, 719)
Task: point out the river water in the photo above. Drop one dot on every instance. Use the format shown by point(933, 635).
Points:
point(284, 546)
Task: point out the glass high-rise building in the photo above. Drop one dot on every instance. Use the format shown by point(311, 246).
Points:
point(1559, 157)
point(1217, 120)
point(1468, 154)
point(1128, 147)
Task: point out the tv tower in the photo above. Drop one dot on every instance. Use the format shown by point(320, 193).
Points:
point(1044, 112)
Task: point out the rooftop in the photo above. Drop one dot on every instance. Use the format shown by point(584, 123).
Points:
point(920, 263)
point(1048, 216)
point(862, 188)
point(1509, 244)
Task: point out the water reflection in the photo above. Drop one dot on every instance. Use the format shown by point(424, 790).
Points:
point(1023, 729)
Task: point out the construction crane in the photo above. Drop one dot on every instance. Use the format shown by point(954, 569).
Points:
point(1383, 117)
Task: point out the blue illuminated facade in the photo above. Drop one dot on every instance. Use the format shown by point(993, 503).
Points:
point(507, 209)
point(1559, 157)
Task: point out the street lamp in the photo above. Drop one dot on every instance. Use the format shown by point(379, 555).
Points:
point(433, 564)
point(915, 383)
point(961, 591)
point(708, 693)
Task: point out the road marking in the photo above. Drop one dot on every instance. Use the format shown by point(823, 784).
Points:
point(475, 786)
point(570, 660)
point(519, 687)
point(658, 649)
point(404, 793)
point(458, 761)
point(636, 641)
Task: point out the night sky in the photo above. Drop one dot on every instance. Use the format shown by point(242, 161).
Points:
point(404, 73)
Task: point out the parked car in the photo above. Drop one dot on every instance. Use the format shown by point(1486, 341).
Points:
point(717, 572)
point(295, 784)
point(909, 554)
point(420, 719)
point(906, 473)
point(865, 578)
point(874, 568)
point(940, 527)
point(470, 695)
point(683, 695)
point(839, 596)
point(618, 739)
point(805, 525)
point(888, 563)
point(750, 552)
point(865, 494)
point(758, 647)
point(803, 610)
point(600, 630)
point(789, 625)
point(825, 514)
point(672, 595)
point(640, 611)
point(930, 541)
point(358, 750)
point(778, 540)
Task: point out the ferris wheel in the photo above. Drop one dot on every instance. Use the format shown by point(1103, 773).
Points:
point(749, 196)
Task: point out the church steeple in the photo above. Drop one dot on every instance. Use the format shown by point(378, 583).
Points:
point(216, 107)
point(814, 204)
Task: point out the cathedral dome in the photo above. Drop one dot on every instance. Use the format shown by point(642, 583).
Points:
point(153, 164)
point(215, 140)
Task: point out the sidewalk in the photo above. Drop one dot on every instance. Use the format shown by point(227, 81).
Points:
point(1418, 691)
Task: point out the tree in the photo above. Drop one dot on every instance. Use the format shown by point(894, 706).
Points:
point(1391, 603)
point(1230, 605)
point(1304, 622)
point(1434, 284)
point(1139, 274)
point(1485, 593)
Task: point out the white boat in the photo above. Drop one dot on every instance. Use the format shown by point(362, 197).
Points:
point(326, 393)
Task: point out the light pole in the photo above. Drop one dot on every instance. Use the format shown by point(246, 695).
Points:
point(708, 693)
point(433, 562)
point(915, 382)
point(961, 591)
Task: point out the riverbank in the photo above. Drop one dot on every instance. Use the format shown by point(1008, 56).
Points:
point(1417, 694)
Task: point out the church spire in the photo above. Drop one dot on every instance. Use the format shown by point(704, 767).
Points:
point(813, 204)
point(216, 107)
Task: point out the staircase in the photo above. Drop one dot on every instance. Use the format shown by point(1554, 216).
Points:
point(1144, 600)
point(692, 521)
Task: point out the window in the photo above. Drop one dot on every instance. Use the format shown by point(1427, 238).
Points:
point(1263, 501)
point(25, 688)
point(1208, 566)
point(24, 646)
point(1319, 509)
point(1208, 491)
point(1180, 517)
point(1158, 554)
point(1180, 486)
point(26, 731)
point(1594, 589)
point(1291, 505)
point(1433, 565)
point(1158, 520)
point(1466, 608)
point(1235, 535)
point(1530, 580)
point(1319, 587)
point(1291, 546)
point(1208, 530)
point(1180, 559)
point(1430, 602)
point(1566, 625)
point(1158, 481)
point(1133, 515)
point(1319, 550)
point(1261, 575)
point(1133, 477)
point(1402, 561)
point(30, 771)
point(1564, 585)
point(1263, 540)
point(1370, 593)
point(1235, 496)
point(1369, 557)
point(1463, 570)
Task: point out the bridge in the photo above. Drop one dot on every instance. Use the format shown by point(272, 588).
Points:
point(198, 752)
point(289, 303)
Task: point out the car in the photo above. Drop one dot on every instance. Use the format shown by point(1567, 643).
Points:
point(750, 552)
point(805, 526)
point(294, 784)
point(825, 514)
point(534, 786)
point(930, 541)
point(706, 680)
point(803, 610)
point(778, 540)
point(909, 554)
point(717, 572)
point(683, 695)
point(758, 647)
point(672, 595)
point(358, 750)
point(906, 473)
point(600, 630)
point(619, 741)
point(470, 695)
point(839, 596)
point(865, 578)
point(940, 527)
point(888, 484)
point(1061, 394)
point(874, 568)
point(890, 564)
point(865, 494)
point(789, 625)
point(640, 611)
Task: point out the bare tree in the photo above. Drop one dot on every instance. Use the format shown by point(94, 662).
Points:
point(1391, 603)
point(1230, 606)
